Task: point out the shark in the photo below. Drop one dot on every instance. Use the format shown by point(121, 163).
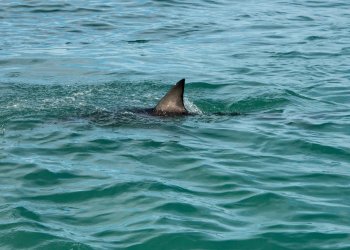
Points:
point(170, 105)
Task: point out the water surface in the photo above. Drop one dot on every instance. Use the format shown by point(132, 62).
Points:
point(80, 170)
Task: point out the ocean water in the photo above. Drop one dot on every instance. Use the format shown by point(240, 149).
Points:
point(80, 170)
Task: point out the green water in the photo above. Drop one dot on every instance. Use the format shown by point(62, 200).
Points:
point(80, 169)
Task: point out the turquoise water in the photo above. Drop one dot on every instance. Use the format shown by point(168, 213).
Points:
point(80, 170)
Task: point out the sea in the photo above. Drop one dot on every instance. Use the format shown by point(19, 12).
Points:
point(262, 162)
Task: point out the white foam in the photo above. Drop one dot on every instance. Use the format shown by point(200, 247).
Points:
point(191, 107)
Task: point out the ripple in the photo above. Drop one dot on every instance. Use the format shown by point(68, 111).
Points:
point(30, 239)
point(93, 193)
point(44, 177)
point(304, 18)
point(49, 9)
point(181, 208)
point(305, 55)
point(301, 239)
point(314, 38)
point(139, 41)
point(27, 214)
point(98, 26)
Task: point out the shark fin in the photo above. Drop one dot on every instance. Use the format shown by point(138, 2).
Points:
point(172, 103)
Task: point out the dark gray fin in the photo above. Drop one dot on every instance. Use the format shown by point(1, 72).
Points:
point(173, 102)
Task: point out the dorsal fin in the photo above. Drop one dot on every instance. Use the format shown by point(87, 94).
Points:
point(172, 102)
